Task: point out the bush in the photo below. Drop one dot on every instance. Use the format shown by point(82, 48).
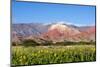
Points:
point(29, 42)
point(14, 44)
point(48, 43)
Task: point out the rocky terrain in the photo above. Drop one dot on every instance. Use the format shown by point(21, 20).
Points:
point(57, 32)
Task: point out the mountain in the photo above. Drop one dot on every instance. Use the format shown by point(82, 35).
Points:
point(62, 32)
point(57, 32)
point(88, 33)
point(29, 29)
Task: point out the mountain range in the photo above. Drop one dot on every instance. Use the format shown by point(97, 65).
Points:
point(56, 32)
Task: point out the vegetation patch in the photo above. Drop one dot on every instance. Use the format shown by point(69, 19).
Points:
point(52, 54)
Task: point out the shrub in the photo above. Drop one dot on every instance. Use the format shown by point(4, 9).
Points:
point(48, 43)
point(29, 42)
point(14, 44)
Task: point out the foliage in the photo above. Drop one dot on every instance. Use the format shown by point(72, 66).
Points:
point(15, 44)
point(65, 43)
point(47, 43)
point(52, 54)
point(29, 42)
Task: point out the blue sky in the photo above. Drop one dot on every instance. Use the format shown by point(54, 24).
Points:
point(27, 12)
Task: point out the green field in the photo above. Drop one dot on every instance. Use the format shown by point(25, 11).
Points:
point(52, 54)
